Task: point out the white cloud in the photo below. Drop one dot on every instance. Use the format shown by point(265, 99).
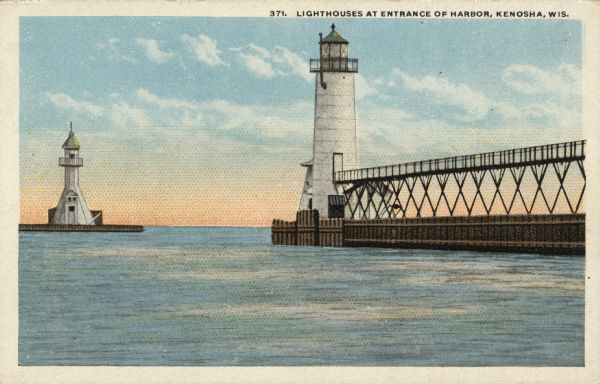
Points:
point(116, 110)
point(124, 115)
point(153, 51)
point(257, 65)
point(291, 63)
point(389, 136)
point(507, 110)
point(222, 118)
point(238, 122)
point(276, 62)
point(501, 123)
point(64, 101)
point(564, 80)
point(571, 71)
point(474, 105)
point(559, 115)
point(261, 121)
point(162, 102)
point(204, 49)
point(113, 52)
point(264, 52)
point(363, 88)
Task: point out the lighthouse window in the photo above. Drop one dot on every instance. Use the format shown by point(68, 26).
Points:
point(71, 209)
point(71, 156)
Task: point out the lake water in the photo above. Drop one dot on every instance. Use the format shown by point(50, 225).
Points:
point(226, 296)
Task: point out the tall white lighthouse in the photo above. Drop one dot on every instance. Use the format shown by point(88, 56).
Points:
point(334, 145)
point(72, 207)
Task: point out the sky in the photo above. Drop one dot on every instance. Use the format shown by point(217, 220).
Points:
point(204, 121)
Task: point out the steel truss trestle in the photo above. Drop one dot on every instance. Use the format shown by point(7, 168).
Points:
point(547, 179)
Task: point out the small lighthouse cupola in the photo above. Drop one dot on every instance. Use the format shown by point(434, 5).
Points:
point(334, 143)
point(72, 207)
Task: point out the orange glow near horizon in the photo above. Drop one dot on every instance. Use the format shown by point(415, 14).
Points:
point(212, 202)
point(185, 186)
point(248, 205)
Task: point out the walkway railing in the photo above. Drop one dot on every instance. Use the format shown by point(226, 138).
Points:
point(542, 154)
point(545, 179)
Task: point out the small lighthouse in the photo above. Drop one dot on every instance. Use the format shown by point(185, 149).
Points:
point(334, 145)
point(72, 208)
point(72, 213)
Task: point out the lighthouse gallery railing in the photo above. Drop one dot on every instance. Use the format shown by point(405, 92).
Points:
point(337, 64)
point(68, 162)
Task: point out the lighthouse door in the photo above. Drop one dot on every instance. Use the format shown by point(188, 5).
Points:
point(71, 215)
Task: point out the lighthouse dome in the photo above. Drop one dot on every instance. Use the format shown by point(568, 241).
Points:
point(334, 37)
point(72, 142)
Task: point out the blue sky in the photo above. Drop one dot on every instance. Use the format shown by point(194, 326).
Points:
point(225, 97)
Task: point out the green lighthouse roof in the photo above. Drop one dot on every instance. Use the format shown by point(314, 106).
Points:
point(334, 37)
point(72, 142)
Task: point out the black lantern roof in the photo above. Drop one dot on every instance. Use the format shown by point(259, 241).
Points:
point(334, 37)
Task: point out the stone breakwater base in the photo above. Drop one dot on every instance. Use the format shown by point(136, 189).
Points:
point(80, 228)
point(543, 234)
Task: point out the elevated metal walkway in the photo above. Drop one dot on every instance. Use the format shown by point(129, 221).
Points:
point(544, 179)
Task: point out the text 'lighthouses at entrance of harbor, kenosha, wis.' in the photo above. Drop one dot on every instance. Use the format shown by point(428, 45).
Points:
point(334, 145)
point(72, 209)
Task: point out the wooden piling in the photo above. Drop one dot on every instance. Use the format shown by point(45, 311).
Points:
point(515, 233)
point(283, 232)
point(307, 224)
point(331, 232)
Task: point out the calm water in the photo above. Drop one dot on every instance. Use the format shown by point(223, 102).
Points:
point(225, 296)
